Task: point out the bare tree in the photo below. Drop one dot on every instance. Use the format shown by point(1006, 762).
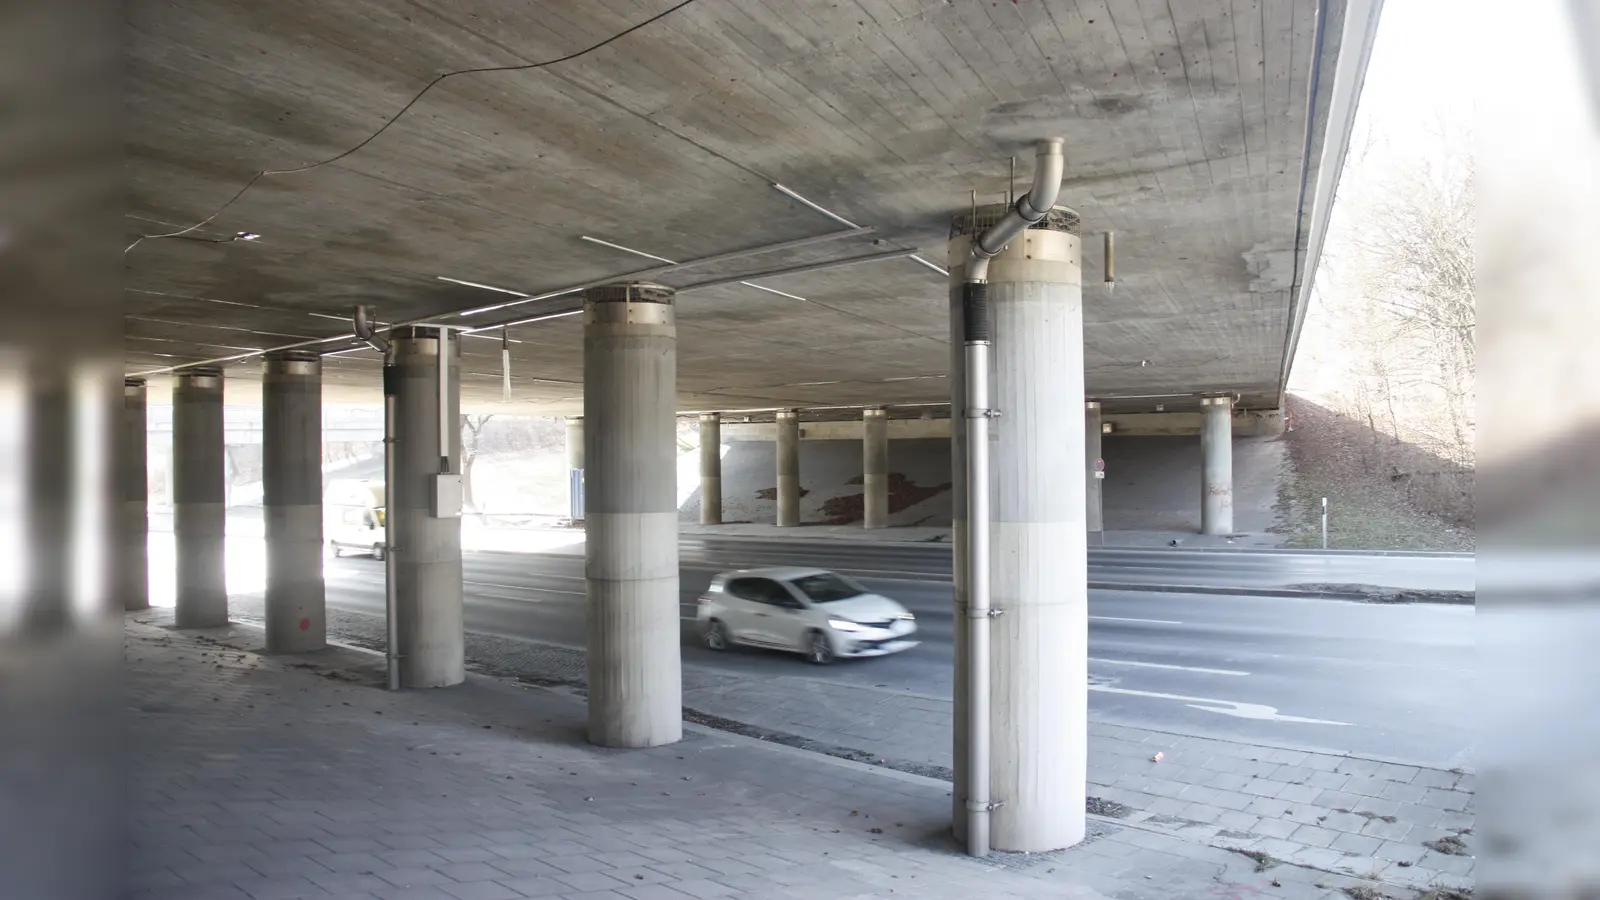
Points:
point(1403, 308)
point(471, 438)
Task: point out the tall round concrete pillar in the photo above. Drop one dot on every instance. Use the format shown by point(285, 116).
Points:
point(1039, 574)
point(427, 547)
point(630, 367)
point(1093, 478)
point(575, 468)
point(199, 492)
point(291, 456)
point(788, 445)
point(875, 467)
point(1216, 461)
point(133, 479)
point(710, 469)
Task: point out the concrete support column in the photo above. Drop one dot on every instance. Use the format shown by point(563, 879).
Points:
point(575, 468)
point(710, 469)
point(1094, 480)
point(199, 491)
point(133, 565)
point(875, 467)
point(630, 367)
point(1216, 473)
point(788, 444)
point(1039, 573)
point(291, 456)
point(427, 549)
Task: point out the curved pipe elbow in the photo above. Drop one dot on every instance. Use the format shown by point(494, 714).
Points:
point(364, 330)
point(1048, 168)
point(1050, 164)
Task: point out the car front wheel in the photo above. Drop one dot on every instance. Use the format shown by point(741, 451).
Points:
point(378, 552)
point(819, 651)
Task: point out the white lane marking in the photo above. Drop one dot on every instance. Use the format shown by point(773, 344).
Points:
point(522, 587)
point(1150, 665)
point(1146, 621)
point(1225, 707)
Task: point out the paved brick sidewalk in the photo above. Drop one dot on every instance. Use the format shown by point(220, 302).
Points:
point(1402, 825)
point(281, 777)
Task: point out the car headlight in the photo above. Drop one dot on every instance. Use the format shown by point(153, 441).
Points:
point(905, 617)
point(844, 625)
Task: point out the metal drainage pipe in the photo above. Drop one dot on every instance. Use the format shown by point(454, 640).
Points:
point(391, 566)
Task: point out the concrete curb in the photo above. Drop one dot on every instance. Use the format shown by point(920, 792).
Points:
point(1356, 593)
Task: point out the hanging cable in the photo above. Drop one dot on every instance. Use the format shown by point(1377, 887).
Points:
point(403, 110)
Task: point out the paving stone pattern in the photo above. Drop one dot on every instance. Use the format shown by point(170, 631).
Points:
point(1356, 817)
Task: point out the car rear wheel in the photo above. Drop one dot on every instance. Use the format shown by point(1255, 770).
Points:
point(717, 636)
point(819, 652)
point(377, 552)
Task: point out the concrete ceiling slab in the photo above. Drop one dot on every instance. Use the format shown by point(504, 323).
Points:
point(1185, 126)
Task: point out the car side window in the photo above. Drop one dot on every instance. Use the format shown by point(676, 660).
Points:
point(779, 595)
point(747, 589)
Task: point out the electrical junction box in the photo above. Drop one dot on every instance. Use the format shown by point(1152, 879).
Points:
point(444, 496)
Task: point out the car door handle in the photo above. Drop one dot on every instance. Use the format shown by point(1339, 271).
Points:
point(762, 615)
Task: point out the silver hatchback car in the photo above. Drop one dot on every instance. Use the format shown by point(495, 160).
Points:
point(821, 614)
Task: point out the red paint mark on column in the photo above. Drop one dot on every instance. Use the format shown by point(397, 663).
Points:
point(305, 624)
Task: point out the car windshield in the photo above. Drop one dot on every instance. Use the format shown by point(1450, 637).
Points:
point(826, 587)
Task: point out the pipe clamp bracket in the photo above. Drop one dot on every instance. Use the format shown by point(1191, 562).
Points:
point(984, 807)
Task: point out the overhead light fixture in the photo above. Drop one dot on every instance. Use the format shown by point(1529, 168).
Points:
point(775, 291)
point(490, 337)
point(247, 236)
point(673, 262)
point(528, 321)
point(595, 240)
point(817, 207)
point(487, 287)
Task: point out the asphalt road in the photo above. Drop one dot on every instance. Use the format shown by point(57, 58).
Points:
point(1380, 680)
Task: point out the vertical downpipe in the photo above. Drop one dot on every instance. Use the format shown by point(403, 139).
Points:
point(391, 563)
point(975, 313)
